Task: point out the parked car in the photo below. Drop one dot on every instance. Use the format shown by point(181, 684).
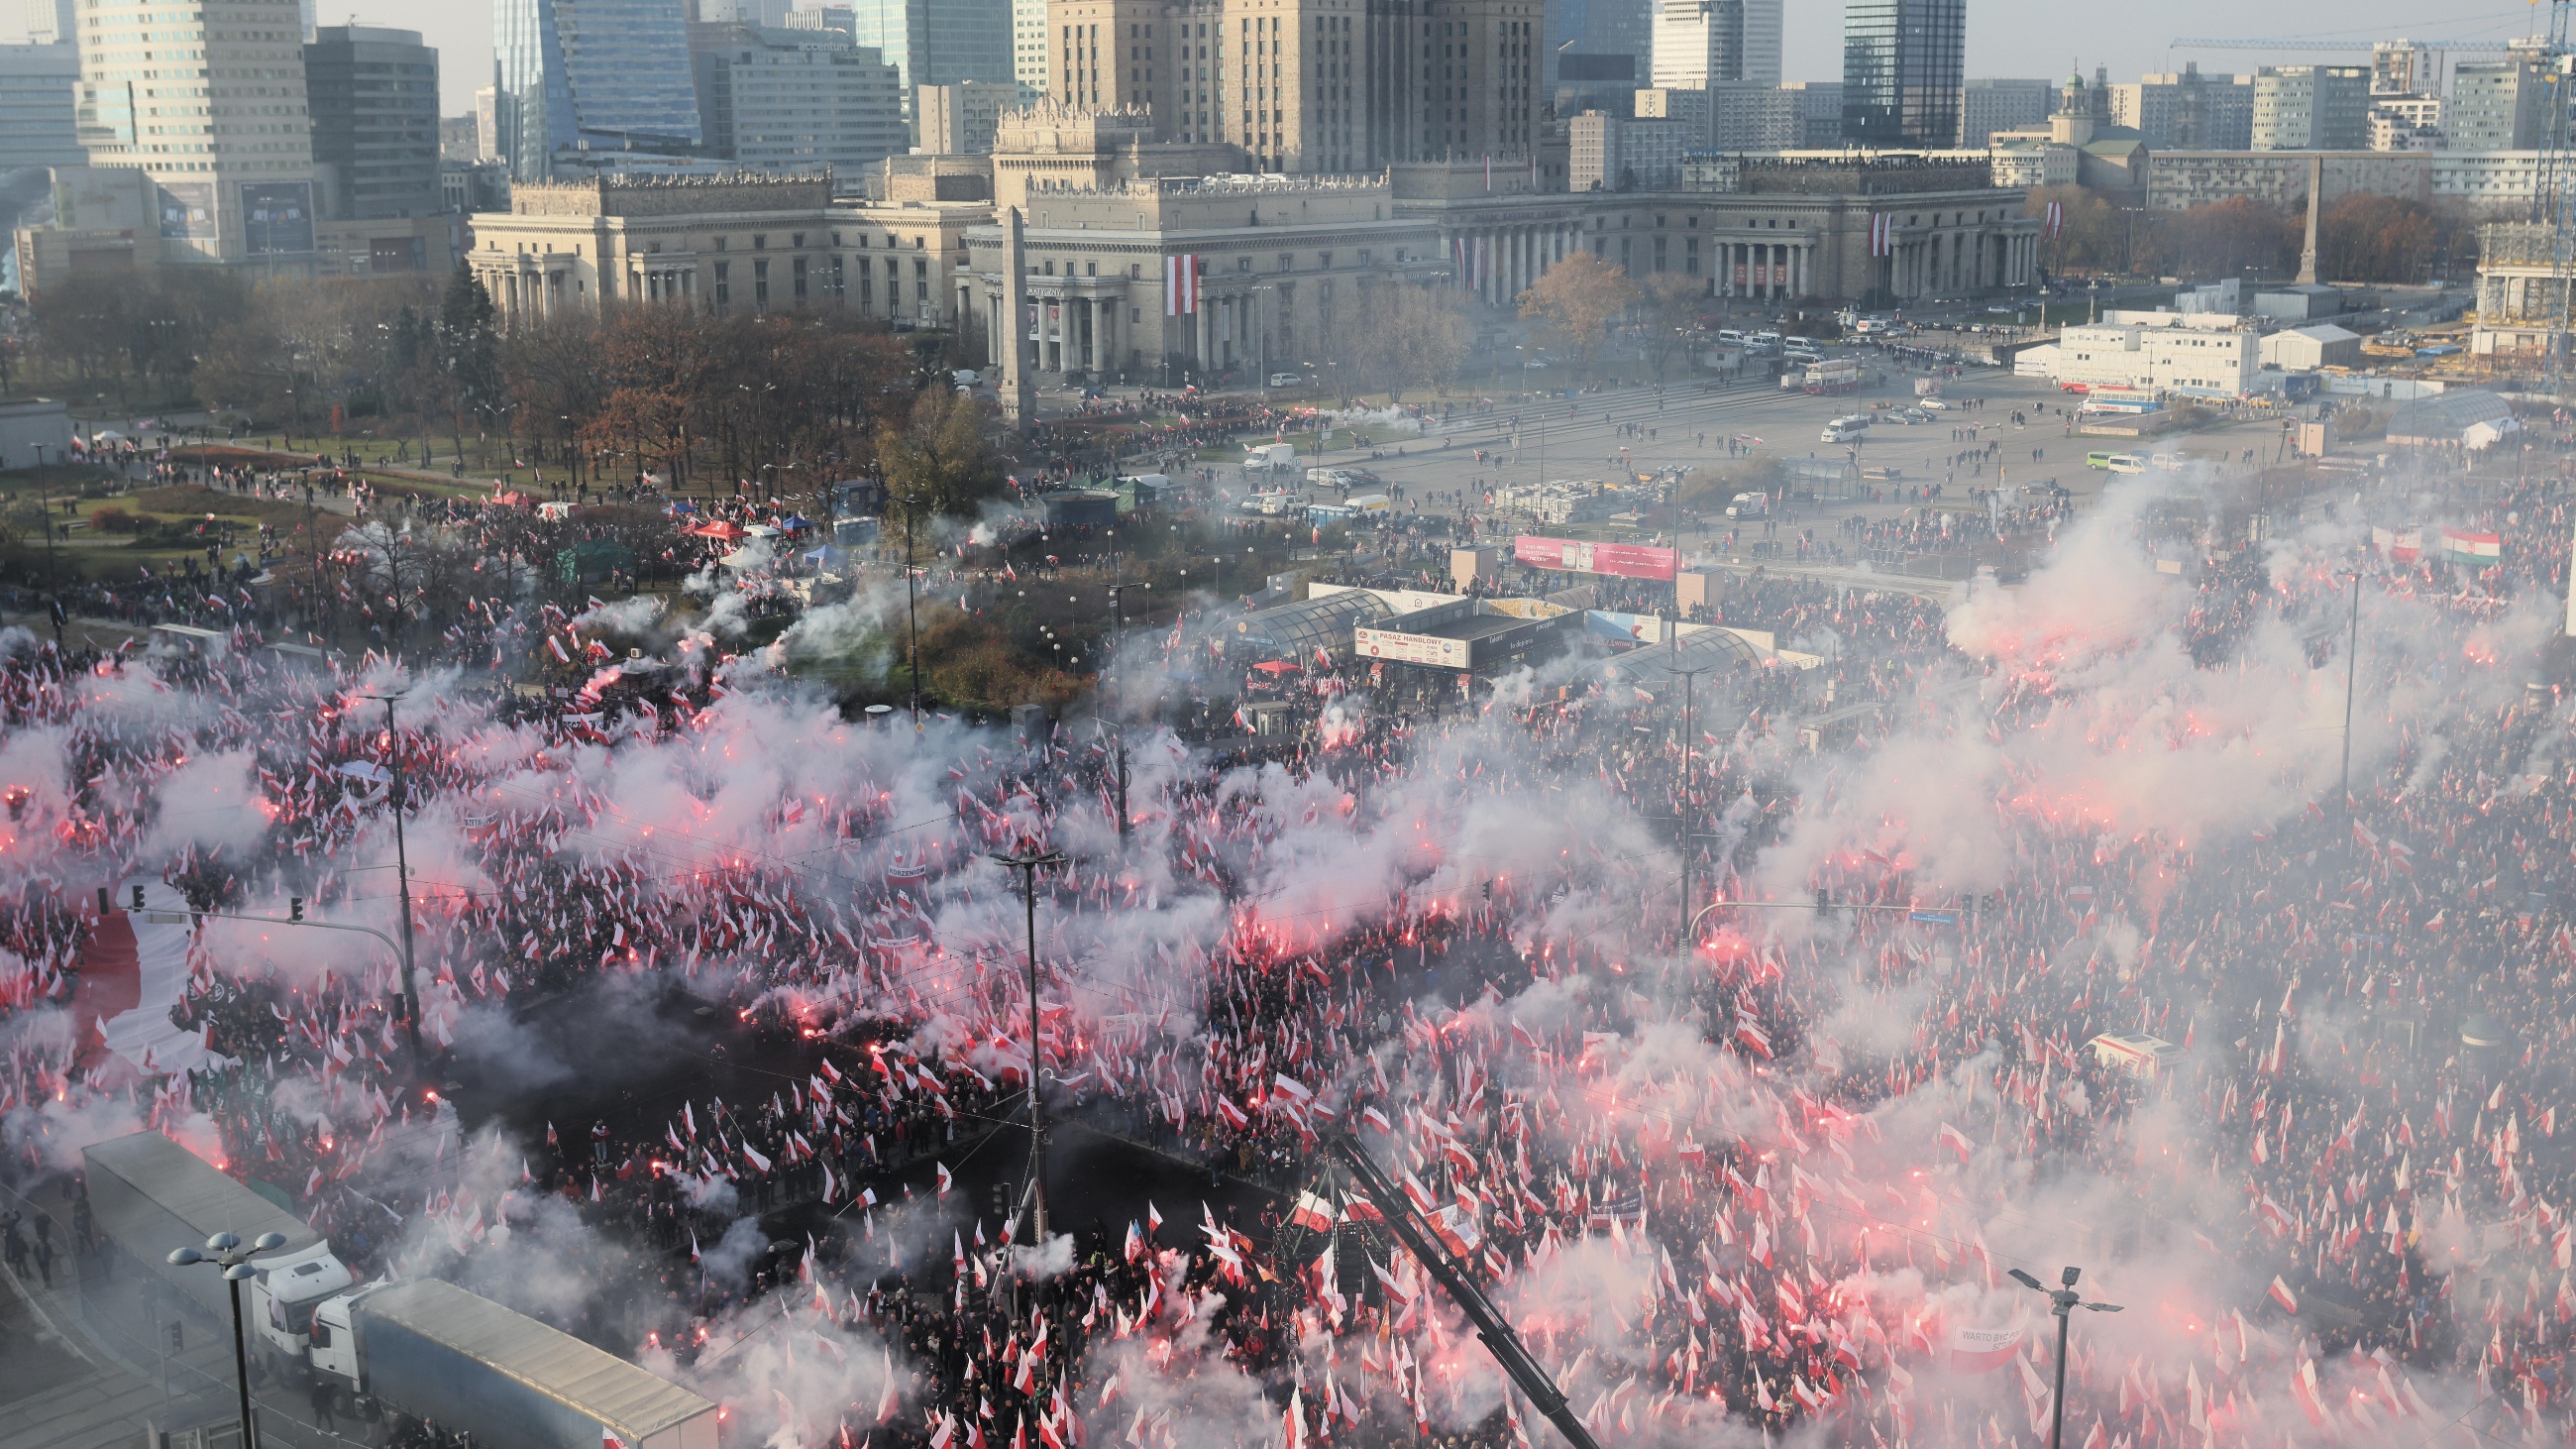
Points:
point(1286, 379)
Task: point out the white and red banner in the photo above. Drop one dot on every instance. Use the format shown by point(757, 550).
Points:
point(1181, 286)
point(2056, 217)
point(1620, 560)
point(1882, 234)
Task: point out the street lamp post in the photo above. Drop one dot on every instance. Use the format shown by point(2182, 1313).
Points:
point(1689, 678)
point(1027, 866)
point(1117, 632)
point(226, 1251)
point(2351, 669)
point(402, 872)
point(2062, 1302)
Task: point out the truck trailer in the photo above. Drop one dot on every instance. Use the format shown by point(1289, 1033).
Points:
point(420, 1347)
point(436, 1351)
point(151, 1196)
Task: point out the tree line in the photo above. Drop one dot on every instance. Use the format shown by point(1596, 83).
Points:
point(2361, 238)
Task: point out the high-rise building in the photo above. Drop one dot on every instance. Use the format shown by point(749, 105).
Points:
point(1620, 27)
point(795, 100)
point(1903, 64)
point(2188, 111)
point(1704, 43)
point(1817, 107)
point(2496, 105)
point(1029, 47)
point(961, 119)
point(1988, 106)
point(227, 142)
point(937, 42)
point(490, 130)
point(2405, 68)
point(592, 76)
point(1314, 85)
point(2311, 108)
point(39, 87)
point(840, 20)
point(374, 94)
point(52, 22)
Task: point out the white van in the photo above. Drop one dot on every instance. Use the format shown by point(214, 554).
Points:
point(1846, 430)
point(1286, 379)
point(1749, 505)
point(1730, 336)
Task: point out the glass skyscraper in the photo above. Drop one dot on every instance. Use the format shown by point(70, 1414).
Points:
point(1904, 62)
point(592, 75)
point(940, 42)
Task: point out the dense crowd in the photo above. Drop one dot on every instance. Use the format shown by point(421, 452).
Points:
point(1765, 1174)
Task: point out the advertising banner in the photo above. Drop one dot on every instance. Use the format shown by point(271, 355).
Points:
point(1620, 560)
point(1411, 648)
point(277, 218)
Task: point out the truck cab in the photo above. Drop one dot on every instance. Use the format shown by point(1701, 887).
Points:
point(334, 1339)
point(287, 1290)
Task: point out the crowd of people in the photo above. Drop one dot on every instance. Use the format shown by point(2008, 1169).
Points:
point(2285, 1075)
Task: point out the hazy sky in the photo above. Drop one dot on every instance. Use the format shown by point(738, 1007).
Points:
point(2005, 37)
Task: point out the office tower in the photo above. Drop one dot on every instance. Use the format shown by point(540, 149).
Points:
point(1620, 27)
point(1903, 62)
point(838, 20)
point(2496, 105)
point(937, 42)
point(1029, 47)
point(592, 76)
point(374, 94)
point(1314, 85)
point(795, 100)
point(489, 126)
point(961, 119)
point(52, 22)
point(2311, 108)
point(39, 87)
point(2187, 111)
point(1705, 43)
point(243, 191)
point(1988, 106)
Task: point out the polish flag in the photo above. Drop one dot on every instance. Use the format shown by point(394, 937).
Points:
point(1180, 286)
point(1377, 1119)
point(944, 1180)
point(1983, 1350)
point(2280, 1293)
point(2303, 1384)
point(1312, 1213)
point(1957, 1141)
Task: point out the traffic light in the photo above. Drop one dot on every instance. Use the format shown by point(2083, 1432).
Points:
point(295, 908)
point(138, 898)
point(177, 1334)
point(1824, 904)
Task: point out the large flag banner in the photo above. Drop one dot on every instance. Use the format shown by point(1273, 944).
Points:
point(1180, 286)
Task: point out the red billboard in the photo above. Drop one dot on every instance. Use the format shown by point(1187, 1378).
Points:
point(1620, 560)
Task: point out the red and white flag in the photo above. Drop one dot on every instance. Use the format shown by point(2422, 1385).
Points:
point(1957, 1141)
point(1180, 286)
point(1312, 1213)
point(2280, 1293)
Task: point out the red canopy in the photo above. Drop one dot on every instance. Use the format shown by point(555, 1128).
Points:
point(721, 528)
point(1275, 666)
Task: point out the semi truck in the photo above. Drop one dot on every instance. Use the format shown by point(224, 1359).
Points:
point(152, 1196)
point(421, 1347)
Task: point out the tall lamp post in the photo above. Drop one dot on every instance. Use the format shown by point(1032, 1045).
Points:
point(402, 871)
point(1689, 679)
point(2062, 1302)
point(2351, 669)
point(1027, 866)
point(227, 1251)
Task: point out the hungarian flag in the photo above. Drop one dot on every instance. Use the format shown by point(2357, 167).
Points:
point(1312, 1213)
point(2463, 546)
point(1180, 286)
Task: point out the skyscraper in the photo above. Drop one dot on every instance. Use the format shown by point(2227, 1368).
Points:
point(1700, 44)
point(1903, 65)
point(239, 191)
point(375, 122)
point(51, 22)
point(592, 76)
point(940, 42)
point(1314, 85)
point(795, 100)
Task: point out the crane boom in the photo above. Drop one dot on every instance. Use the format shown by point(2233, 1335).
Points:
point(1499, 1337)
